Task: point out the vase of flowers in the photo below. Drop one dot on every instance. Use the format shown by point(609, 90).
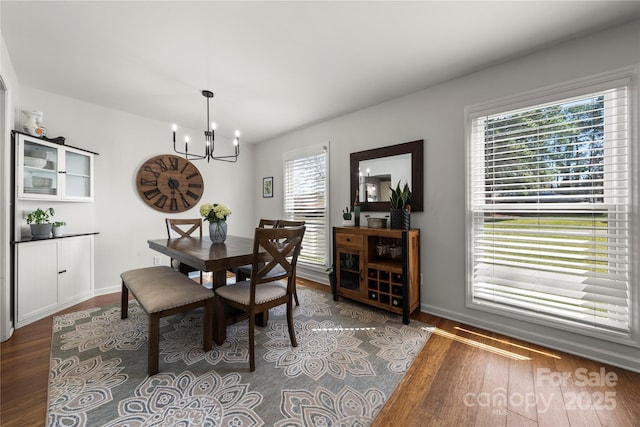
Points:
point(216, 214)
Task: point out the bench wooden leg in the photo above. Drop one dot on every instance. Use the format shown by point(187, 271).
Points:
point(154, 343)
point(124, 301)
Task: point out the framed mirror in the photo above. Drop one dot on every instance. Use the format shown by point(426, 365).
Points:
point(374, 171)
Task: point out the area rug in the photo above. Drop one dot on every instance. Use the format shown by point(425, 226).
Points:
point(349, 359)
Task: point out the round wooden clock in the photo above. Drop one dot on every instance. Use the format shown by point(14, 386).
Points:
point(169, 183)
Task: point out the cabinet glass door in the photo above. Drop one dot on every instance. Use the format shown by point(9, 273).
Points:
point(39, 169)
point(78, 174)
point(349, 271)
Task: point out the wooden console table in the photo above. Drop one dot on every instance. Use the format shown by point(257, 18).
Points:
point(379, 267)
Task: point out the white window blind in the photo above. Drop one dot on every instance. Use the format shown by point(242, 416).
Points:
point(306, 199)
point(550, 215)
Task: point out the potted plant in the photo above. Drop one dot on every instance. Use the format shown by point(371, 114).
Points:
point(40, 223)
point(347, 216)
point(400, 207)
point(58, 228)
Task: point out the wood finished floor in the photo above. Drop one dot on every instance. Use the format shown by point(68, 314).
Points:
point(464, 376)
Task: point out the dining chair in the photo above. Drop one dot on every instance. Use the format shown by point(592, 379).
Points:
point(272, 281)
point(183, 227)
point(284, 223)
point(244, 271)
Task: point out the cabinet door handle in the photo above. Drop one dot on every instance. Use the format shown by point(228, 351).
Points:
point(62, 171)
point(62, 271)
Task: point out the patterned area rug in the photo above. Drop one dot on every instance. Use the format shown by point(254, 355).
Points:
point(348, 361)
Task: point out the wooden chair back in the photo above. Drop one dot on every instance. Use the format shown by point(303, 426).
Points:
point(267, 223)
point(282, 247)
point(183, 227)
point(283, 223)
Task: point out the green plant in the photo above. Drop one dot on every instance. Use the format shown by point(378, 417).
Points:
point(400, 197)
point(59, 224)
point(346, 213)
point(40, 216)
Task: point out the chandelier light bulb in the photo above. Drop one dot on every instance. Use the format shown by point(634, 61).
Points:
point(213, 125)
point(174, 127)
point(186, 139)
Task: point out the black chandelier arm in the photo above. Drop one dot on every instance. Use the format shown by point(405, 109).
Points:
point(187, 155)
point(226, 158)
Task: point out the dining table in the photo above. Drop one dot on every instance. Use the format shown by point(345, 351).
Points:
point(217, 258)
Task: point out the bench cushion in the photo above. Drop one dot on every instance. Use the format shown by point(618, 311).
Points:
point(161, 288)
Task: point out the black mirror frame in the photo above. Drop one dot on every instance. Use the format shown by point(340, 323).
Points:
point(416, 149)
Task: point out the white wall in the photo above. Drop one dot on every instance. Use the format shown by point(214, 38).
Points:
point(437, 116)
point(124, 141)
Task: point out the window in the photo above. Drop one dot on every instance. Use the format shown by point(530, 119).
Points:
point(550, 217)
point(306, 199)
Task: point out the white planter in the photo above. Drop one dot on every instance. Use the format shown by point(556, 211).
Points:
point(57, 231)
point(348, 222)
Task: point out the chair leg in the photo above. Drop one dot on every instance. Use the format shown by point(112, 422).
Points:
point(154, 343)
point(295, 295)
point(207, 327)
point(252, 325)
point(295, 291)
point(292, 332)
point(124, 301)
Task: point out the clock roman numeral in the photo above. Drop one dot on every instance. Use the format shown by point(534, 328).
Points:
point(150, 194)
point(161, 201)
point(174, 161)
point(195, 185)
point(147, 182)
point(162, 164)
point(174, 204)
point(148, 169)
point(185, 203)
point(192, 175)
point(193, 195)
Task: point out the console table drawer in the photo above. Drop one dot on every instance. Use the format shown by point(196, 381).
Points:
point(350, 240)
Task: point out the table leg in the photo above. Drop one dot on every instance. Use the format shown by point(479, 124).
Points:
point(219, 312)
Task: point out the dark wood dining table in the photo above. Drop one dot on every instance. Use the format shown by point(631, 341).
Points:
point(217, 258)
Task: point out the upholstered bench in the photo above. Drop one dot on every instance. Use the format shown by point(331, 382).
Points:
point(162, 291)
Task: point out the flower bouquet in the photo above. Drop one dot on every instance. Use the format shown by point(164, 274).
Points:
point(216, 214)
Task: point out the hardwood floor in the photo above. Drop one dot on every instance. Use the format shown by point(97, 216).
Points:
point(464, 376)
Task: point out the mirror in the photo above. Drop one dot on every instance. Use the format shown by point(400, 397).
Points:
point(374, 171)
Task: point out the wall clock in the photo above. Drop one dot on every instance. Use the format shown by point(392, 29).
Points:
point(169, 183)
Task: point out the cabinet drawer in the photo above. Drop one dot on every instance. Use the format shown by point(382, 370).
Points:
point(349, 240)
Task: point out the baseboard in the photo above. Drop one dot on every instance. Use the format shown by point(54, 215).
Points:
point(597, 354)
point(105, 291)
point(312, 274)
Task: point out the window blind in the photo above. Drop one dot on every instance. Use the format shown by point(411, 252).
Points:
point(550, 212)
point(306, 199)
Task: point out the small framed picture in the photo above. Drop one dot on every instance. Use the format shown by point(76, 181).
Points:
point(267, 186)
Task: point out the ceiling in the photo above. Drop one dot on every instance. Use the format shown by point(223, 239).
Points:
point(275, 66)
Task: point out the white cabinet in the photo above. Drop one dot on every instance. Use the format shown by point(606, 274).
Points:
point(52, 274)
point(48, 171)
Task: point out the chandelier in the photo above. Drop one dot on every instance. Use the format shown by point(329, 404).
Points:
point(209, 139)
